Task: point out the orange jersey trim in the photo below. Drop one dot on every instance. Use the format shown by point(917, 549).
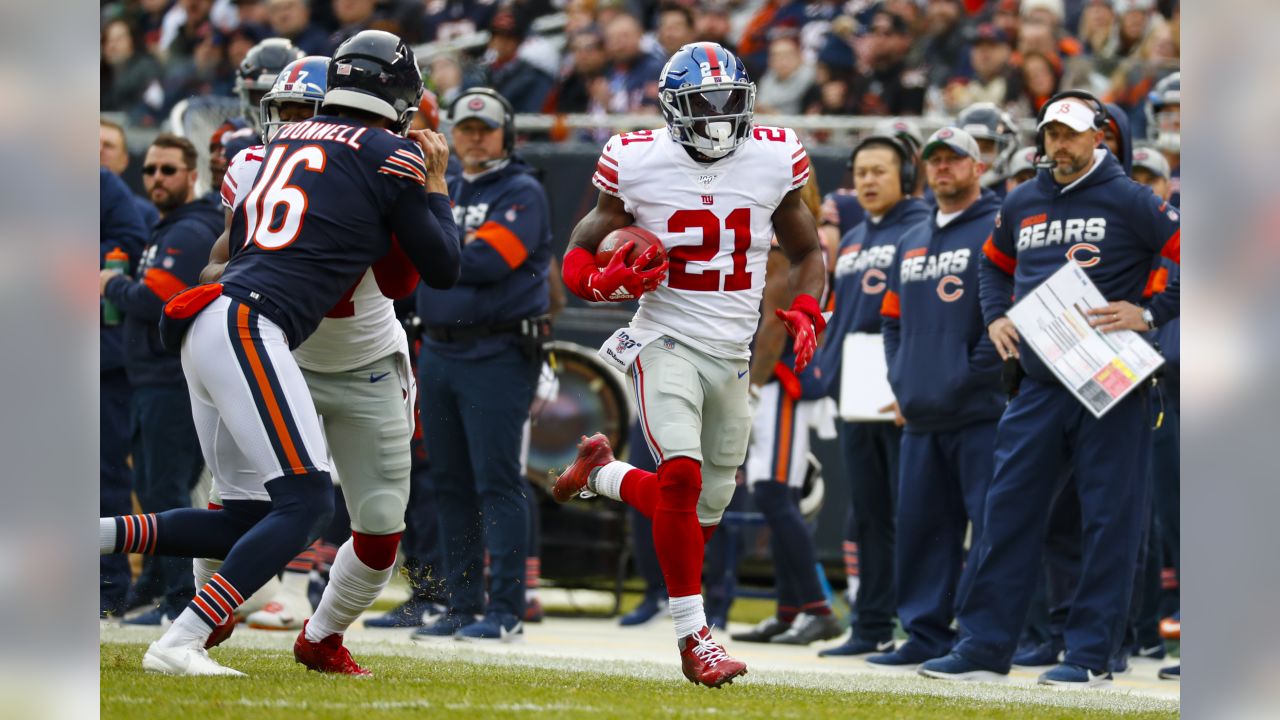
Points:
point(504, 241)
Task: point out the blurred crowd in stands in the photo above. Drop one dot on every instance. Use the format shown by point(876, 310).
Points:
point(861, 57)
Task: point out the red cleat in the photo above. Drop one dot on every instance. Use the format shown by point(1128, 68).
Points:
point(326, 656)
point(593, 452)
point(221, 633)
point(705, 662)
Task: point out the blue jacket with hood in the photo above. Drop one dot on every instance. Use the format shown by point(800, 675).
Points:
point(866, 255)
point(1112, 226)
point(943, 367)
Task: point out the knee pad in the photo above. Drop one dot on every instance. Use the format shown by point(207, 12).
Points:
point(679, 484)
point(718, 484)
point(379, 512)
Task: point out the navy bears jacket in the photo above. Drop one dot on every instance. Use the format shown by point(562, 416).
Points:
point(505, 221)
point(1112, 226)
point(943, 368)
point(119, 226)
point(861, 277)
point(178, 251)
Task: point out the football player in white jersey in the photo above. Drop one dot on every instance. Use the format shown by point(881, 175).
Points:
point(715, 189)
point(356, 366)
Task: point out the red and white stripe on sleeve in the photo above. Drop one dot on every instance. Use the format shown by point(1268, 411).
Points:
point(606, 174)
point(799, 168)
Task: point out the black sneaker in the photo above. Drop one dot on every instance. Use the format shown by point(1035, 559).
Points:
point(858, 646)
point(809, 629)
point(763, 632)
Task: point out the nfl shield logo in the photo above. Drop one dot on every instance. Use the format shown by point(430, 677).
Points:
point(668, 343)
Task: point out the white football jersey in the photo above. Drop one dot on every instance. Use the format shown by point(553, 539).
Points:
point(361, 328)
point(716, 223)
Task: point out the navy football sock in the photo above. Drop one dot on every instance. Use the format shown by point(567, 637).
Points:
point(189, 532)
point(779, 505)
point(301, 506)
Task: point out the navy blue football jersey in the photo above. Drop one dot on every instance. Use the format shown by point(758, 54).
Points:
point(318, 216)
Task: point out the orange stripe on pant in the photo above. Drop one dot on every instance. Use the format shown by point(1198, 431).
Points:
point(260, 375)
point(785, 420)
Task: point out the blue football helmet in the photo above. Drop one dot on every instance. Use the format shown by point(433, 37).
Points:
point(1164, 113)
point(301, 81)
point(707, 99)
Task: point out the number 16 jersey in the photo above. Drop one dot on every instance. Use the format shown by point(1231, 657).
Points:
point(716, 223)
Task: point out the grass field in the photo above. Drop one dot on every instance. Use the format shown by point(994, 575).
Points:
point(408, 686)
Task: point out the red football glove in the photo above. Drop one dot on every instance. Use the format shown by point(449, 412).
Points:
point(805, 323)
point(619, 282)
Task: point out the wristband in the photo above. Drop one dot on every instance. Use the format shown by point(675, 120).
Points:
point(808, 305)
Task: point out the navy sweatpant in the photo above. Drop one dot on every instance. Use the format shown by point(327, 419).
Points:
point(1044, 430)
point(114, 484)
point(942, 488)
point(871, 461)
point(473, 414)
point(166, 467)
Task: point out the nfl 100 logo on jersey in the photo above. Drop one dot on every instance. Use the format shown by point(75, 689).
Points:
point(946, 268)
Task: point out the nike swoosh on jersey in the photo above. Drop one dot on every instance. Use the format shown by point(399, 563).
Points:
point(744, 372)
point(375, 378)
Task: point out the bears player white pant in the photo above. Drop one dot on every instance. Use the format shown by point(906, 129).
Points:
point(779, 447)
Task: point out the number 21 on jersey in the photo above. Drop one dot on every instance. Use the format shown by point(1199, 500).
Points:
point(272, 192)
point(738, 222)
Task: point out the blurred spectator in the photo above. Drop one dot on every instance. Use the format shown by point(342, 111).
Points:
point(772, 15)
point(586, 67)
point(1041, 78)
point(524, 85)
point(1138, 73)
point(994, 78)
point(943, 46)
point(831, 93)
point(579, 15)
point(1137, 20)
point(292, 19)
point(129, 75)
point(1098, 32)
point(444, 76)
point(113, 154)
point(185, 27)
point(674, 30)
point(1005, 16)
point(352, 16)
point(445, 21)
point(632, 75)
point(712, 24)
point(787, 80)
point(889, 87)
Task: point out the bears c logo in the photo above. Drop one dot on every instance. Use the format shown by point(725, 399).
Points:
point(873, 281)
point(1073, 254)
point(950, 288)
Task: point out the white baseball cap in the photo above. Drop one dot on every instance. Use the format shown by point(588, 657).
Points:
point(1072, 113)
point(1024, 159)
point(953, 137)
point(1151, 159)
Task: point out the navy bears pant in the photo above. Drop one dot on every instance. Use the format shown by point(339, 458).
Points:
point(114, 484)
point(942, 488)
point(166, 467)
point(1044, 430)
point(472, 414)
point(871, 462)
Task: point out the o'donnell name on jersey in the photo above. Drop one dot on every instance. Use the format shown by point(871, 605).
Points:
point(311, 130)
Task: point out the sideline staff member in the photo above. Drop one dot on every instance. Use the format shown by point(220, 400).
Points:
point(479, 367)
point(1084, 210)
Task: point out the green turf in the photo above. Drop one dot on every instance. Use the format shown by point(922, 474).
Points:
point(416, 687)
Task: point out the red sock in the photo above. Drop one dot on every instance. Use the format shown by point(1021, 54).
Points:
point(787, 613)
point(707, 532)
point(376, 551)
point(639, 489)
point(676, 533)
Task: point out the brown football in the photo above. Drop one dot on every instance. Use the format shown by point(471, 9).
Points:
point(616, 239)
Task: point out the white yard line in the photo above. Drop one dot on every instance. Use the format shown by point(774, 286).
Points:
point(649, 652)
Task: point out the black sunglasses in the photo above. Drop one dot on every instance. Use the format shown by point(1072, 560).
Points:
point(165, 170)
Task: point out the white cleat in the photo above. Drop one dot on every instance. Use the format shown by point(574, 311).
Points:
point(286, 612)
point(183, 661)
